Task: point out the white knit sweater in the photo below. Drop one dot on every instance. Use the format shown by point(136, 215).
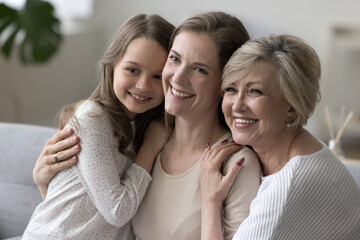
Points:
point(312, 197)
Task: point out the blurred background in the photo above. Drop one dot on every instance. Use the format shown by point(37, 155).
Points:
point(33, 94)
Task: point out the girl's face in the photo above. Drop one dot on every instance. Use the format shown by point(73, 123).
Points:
point(192, 77)
point(137, 76)
point(254, 108)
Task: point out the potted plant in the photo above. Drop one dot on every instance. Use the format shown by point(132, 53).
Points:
point(38, 27)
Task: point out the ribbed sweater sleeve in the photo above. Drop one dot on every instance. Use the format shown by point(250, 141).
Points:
point(312, 197)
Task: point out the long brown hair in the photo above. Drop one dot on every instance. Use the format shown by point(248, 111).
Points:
point(227, 32)
point(152, 27)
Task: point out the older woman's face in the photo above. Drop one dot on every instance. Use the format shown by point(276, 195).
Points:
point(254, 107)
point(192, 77)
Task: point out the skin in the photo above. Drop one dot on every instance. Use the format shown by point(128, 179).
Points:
point(193, 70)
point(137, 84)
point(256, 98)
point(137, 76)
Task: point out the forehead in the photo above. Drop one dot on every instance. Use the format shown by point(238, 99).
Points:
point(196, 45)
point(261, 71)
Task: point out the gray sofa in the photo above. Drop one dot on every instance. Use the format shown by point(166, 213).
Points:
point(20, 146)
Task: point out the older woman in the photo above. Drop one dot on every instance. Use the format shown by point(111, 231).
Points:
point(270, 88)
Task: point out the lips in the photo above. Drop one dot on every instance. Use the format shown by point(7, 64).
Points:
point(180, 94)
point(244, 120)
point(138, 97)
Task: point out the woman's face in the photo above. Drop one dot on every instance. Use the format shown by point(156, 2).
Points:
point(254, 107)
point(192, 76)
point(137, 76)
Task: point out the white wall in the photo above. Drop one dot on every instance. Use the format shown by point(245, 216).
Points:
point(43, 90)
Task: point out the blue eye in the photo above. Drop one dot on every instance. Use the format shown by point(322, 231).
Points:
point(255, 91)
point(200, 70)
point(229, 89)
point(174, 58)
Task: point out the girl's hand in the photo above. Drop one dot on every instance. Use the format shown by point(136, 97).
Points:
point(59, 153)
point(155, 138)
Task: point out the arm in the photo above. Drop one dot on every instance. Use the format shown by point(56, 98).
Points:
point(66, 146)
point(244, 189)
point(215, 187)
point(155, 137)
point(116, 198)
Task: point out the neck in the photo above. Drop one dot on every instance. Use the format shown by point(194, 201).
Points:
point(274, 154)
point(190, 135)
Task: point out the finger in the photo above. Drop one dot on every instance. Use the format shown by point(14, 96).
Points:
point(229, 178)
point(64, 144)
point(223, 153)
point(61, 135)
point(65, 154)
point(59, 166)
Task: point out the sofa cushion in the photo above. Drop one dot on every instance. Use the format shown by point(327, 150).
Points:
point(20, 146)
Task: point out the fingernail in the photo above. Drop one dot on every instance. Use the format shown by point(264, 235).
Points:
point(77, 146)
point(240, 162)
point(69, 130)
point(225, 141)
point(207, 145)
point(75, 138)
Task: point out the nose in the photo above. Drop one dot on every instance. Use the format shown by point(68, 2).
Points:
point(144, 83)
point(180, 76)
point(240, 103)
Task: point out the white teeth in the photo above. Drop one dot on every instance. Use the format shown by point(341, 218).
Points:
point(180, 94)
point(244, 121)
point(138, 97)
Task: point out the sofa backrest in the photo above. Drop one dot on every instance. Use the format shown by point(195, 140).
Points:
point(20, 146)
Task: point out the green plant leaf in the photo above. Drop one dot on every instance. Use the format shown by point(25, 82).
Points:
point(42, 35)
point(6, 48)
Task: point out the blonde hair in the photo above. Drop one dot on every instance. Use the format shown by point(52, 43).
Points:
point(152, 27)
point(228, 34)
point(297, 69)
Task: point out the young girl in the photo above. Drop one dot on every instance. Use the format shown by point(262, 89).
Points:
point(97, 197)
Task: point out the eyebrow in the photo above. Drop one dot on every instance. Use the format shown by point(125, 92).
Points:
point(195, 63)
point(132, 62)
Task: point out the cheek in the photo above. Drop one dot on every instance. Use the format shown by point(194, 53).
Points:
point(227, 108)
point(158, 89)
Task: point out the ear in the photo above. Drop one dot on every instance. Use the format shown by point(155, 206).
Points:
point(291, 110)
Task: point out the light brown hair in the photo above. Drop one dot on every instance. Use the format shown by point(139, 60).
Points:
point(228, 34)
point(152, 27)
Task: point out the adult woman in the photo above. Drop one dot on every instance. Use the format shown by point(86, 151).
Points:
point(200, 48)
point(270, 88)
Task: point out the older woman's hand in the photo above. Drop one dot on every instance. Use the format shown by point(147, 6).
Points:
point(215, 187)
point(59, 153)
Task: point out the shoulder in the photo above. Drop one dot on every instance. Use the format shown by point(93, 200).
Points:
point(88, 108)
point(251, 160)
point(89, 115)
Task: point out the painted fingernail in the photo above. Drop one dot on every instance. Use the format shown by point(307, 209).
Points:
point(207, 145)
point(225, 141)
point(240, 162)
